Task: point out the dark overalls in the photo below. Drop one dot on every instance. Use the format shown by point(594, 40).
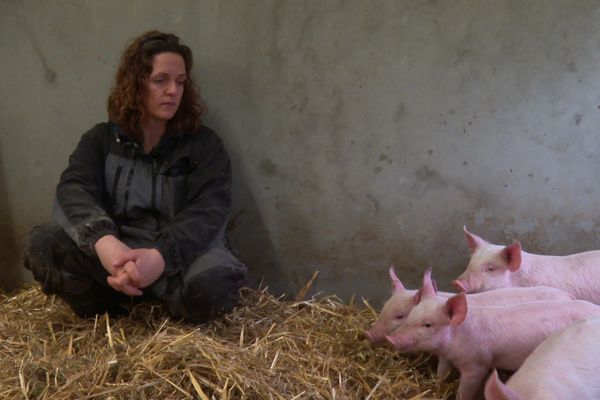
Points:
point(175, 199)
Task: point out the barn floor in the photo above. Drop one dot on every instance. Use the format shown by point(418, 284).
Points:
point(268, 348)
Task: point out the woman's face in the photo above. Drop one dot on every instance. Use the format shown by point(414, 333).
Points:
point(164, 87)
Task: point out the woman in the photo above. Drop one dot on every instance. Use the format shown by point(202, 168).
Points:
point(142, 207)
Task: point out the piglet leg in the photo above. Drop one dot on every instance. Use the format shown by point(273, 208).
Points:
point(470, 382)
point(443, 368)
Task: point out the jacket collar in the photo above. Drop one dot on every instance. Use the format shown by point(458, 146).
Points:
point(122, 136)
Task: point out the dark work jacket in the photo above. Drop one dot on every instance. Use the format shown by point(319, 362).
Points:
point(176, 199)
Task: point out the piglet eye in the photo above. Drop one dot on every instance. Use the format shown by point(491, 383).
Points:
point(427, 325)
point(490, 269)
point(399, 316)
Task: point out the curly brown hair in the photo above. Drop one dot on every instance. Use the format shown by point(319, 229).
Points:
point(126, 99)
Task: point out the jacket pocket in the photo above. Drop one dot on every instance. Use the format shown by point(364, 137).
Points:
point(181, 167)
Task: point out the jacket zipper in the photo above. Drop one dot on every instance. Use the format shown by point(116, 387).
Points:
point(128, 185)
point(154, 172)
point(115, 185)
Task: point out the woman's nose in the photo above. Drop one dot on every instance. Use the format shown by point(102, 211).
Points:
point(172, 87)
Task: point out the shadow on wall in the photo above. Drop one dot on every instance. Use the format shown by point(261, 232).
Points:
point(10, 250)
point(250, 238)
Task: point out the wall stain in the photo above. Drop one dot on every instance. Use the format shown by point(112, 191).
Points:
point(49, 75)
point(425, 174)
point(234, 221)
point(559, 145)
point(463, 53)
point(268, 167)
point(374, 203)
point(399, 112)
point(385, 157)
point(426, 178)
point(10, 248)
point(577, 118)
point(367, 233)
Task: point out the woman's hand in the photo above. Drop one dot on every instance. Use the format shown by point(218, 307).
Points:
point(143, 266)
point(122, 282)
point(110, 249)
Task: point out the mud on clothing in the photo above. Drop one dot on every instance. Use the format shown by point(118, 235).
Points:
point(175, 199)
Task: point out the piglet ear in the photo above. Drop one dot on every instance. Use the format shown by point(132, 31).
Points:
point(512, 256)
point(428, 287)
point(473, 241)
point(496, 390)
point(457, 308)
point(418, 296)
point(398, 286)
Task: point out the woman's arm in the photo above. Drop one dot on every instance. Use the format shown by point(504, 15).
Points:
point(207, 207)
point(80, 201)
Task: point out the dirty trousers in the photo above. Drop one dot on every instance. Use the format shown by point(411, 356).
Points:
point(208, 287)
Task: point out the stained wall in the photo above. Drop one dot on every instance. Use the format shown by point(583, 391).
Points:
point(362, 133)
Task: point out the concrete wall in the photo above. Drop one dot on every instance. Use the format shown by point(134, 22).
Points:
point(363, 133)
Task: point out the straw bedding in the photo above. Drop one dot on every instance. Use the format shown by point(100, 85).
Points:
point(268, 348)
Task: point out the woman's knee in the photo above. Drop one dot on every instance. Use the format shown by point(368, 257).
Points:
point(40, 257)
point(42, 238)
point(56, 262)
point(212, 292)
